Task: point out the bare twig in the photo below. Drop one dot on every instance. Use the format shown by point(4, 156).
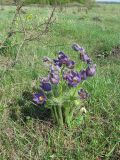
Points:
point(18, 8)
point(32, 36)
point(28, 34)
point(47, 24)
point(11, 32)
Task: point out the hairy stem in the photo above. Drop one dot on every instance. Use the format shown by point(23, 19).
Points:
point(60, 115)
point(67, 116)
point(55, 114)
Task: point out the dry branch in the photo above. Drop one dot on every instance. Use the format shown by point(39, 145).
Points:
point(27, 34)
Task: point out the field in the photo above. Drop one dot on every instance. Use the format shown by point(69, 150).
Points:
point(25, 131)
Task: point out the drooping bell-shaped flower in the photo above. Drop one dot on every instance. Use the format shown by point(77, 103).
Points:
point(54, 79)
point(54, 76)
point(62, 57)
point(83, 74)
point(57, 62)
point(83, 94)
point(70, 64)
point(73, 78)
point(45, 84)
point(39, 98)
point(66, 75)
point(84, 57)
point(64, 60)
point(91, 70)
point(78, 48)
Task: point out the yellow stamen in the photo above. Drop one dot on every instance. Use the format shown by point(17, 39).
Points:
point(41, 98)
point(75, 80)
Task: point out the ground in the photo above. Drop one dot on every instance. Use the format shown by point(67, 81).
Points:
point(25, 131)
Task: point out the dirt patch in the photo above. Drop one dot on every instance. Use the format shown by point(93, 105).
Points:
point(116, 51)
point(97, 19)
point(102, 52)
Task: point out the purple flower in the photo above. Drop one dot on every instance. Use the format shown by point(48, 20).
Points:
point(66, 75)
point(54, 76)
point(57, 62)
point(39, 98)
point(70, 64)
point(83, 94)
point(55, 68)
point(73, 78)
point(76, 47)
point(61, 55)
point(45, 84)
point(83, 75)
point(84, 57)
point(63, 58)
point(91, 70)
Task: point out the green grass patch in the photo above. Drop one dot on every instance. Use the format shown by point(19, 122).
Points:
point(25, 131)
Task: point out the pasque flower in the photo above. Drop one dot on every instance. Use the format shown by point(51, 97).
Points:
point(54, 76)
point(84, 57)
point(91, 70)
point(46, 85)
point(39, 98)
point(83, 74)
point(76, 47)
point(73, 78)
point(62, 78)
point(70, 64)
point(57, 62)
point(62, 57)
point(64, 60)
point(83, 94)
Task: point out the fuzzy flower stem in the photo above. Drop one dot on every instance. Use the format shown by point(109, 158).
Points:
point(60, 115)
point(75, 91)
point(61, 74)
point(55, 114)
point(67, 117)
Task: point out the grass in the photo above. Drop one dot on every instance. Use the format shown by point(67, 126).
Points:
point(25, 131)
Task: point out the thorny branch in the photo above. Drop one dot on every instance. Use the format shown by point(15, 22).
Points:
point(27, 34)
point(47, 24)
point(11, 32)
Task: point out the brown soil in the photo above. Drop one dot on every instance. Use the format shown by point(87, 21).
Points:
point(116, 51)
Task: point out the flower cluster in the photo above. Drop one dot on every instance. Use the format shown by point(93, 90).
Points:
point(63, 76)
